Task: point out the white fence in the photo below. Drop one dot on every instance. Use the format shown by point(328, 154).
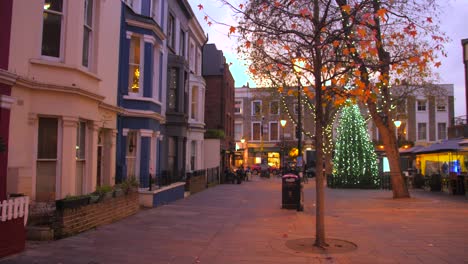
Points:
point(14, 208)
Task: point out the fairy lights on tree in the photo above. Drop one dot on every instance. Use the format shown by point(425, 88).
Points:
point(355, 161)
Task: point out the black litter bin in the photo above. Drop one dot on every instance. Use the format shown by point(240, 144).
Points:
point(291, 192)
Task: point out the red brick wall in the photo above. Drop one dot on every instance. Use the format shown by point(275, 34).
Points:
point(12, 236)
point(213, 104)
point(73, 221)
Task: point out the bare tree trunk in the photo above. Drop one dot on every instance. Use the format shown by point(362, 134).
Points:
point(399, 188)
point(320, 192)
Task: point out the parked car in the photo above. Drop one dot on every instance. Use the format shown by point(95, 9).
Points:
point(257, 168)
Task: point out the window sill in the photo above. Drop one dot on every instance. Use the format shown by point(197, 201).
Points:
point(140, 98)
point(58, 64)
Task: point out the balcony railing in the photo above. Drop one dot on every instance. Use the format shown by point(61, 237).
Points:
point(14, 208)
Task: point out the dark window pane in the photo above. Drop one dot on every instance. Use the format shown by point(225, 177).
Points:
point(86, 35)
point(51, 34)
point(172, 95)
point(47, 138)
point(89, 13)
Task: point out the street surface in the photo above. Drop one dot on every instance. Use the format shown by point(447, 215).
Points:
point(230, 224)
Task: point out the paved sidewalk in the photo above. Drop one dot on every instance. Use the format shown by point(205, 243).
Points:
point(231, 224)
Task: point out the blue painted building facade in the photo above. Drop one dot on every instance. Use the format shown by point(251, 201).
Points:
point(141, 90)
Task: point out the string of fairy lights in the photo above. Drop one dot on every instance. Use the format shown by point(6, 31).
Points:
point(355, 161)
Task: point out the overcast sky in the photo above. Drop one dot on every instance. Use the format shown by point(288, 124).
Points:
point(453, 19)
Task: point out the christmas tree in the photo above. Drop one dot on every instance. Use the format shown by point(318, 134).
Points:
point(355, 161)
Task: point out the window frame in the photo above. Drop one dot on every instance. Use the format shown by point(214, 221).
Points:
point(194, 103)
point(62, 31)
point(175, 90)
point(277, 109)
point(253, 108)
point(171, 31)
point(419, 131)
point(270, 125)
point(240, 108)
point(90, 28)
point(438, 130)
point(419, 107)
point(253, 123)
point(241, 125)
point(141, 65)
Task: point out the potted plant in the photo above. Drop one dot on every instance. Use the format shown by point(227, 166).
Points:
point(105, 192)
point(118, 190)
point(72, 202)
point(94, 197)
point(129, 185)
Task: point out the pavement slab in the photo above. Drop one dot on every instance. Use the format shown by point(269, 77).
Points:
point(229, 224)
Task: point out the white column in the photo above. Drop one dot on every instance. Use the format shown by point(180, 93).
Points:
point(110, 154)
point(67, 171)
point(89, 180)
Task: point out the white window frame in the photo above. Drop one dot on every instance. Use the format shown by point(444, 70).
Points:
point(182, 40)
point(253, 108)
point(91, 34)
point(252, 131)
point(277, 130)
point(418, 106)
point(425, 133)
point(441, 107)
point(171, 38)
point(192, 56)
point(438, 131)
point(241, 108)
point(142, 63)
point(277, 110)
point(62, 35)
point(198, 63)
point(81, 158)
point(194, 103)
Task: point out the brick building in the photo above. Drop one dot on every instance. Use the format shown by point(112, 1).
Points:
point(219, 101)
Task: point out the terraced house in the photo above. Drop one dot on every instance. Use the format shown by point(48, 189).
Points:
point(141, 89)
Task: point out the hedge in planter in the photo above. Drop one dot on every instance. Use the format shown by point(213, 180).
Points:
point(72, 202)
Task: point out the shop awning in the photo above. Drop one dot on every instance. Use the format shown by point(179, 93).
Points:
point(448, 145)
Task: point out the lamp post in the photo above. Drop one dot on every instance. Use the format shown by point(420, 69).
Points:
point(298, 66)
point(283, 124)
point(244, 148)
point(397, 125)
point(465, 61)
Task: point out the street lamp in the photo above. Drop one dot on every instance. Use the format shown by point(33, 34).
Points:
point(465, 61)
point(283, 124)
point(298, 66)
point(397, 124)
point(242, 140)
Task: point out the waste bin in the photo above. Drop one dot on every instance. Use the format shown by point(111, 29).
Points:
point(291, 192)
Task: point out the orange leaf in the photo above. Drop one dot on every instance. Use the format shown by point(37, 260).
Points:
point(286, 47)
point(248, 44)
point(429, 19)
point(346, 8)
point(362, 32)
point(336, 43)
point(232, 29)
point(381, 13)
point(200, 7)
point(438, 64)
point(277, 4)
point(206, 18)
point(259, 42)
point(210, 23)
point(304, 12)
point(241, 6)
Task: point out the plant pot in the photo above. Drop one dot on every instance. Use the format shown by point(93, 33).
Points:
point(118, 192)
point(106, 196)
point(63, 204)
point(94, 199)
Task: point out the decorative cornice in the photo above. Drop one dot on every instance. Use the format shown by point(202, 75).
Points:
point(140, 98)
point(156, 30)
point(7, 77)
point(59, 88)
point(146, 132)
point(144, 114)
point(149, 39)
point(6, 101)
point(112, 108)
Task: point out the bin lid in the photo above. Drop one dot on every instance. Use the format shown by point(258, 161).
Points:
point(290, 176)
